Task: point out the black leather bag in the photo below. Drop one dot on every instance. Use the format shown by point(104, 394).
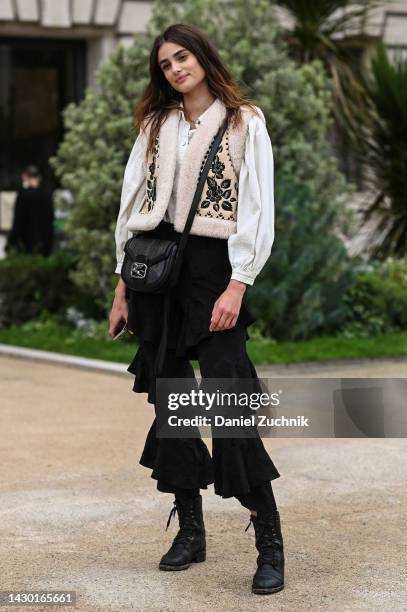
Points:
point(152, 265)
point(149, 264)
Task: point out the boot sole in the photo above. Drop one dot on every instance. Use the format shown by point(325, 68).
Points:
point(267, 591)
point(201, 556)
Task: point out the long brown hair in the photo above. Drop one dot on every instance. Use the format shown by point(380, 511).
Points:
point(159, 97)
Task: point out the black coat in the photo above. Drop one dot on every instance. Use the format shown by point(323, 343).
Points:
point(32, 230)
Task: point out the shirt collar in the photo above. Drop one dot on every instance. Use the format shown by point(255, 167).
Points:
point(199, 120)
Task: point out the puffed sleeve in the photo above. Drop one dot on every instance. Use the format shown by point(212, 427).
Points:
point(133, 180)
point(250, 247)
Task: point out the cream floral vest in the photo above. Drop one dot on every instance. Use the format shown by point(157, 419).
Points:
point(216, 215)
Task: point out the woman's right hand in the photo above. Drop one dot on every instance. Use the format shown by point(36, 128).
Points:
point(120, 309)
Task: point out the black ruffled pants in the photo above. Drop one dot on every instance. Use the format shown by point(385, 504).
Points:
point(237, 465)
point(240, 466)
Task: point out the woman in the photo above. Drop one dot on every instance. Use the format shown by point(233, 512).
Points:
point(189, 95)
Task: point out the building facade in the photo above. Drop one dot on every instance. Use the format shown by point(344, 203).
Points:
point(50, 51)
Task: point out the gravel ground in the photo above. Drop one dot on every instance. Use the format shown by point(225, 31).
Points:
point(79, 513)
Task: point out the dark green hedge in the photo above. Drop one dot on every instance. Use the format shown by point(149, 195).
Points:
point(31, 284)
point(376, 304)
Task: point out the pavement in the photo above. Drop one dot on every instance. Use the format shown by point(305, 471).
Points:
point(79, 513)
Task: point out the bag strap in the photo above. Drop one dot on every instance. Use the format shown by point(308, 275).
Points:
point(194, 206)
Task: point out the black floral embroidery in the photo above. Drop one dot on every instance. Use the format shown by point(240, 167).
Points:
point(217, 166)
point(151, 192)
point(218, 196)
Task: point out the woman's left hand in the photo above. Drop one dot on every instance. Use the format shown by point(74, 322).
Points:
point(227, 307)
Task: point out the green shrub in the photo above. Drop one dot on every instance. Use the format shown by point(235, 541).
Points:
point(33, 284)
point(300, 292)
point(377, 303)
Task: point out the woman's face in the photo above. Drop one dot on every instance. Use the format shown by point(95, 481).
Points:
point(175, 61)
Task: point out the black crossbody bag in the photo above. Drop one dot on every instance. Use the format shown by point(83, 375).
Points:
point(152, 265)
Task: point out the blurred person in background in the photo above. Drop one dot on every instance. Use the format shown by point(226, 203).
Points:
point(32, 229)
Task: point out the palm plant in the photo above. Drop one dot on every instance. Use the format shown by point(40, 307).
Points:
point(383, 147)
point(320, 29)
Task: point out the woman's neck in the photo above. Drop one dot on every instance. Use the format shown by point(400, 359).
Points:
point(196, 103)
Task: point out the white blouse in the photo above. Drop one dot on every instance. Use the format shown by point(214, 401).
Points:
point(248, 248)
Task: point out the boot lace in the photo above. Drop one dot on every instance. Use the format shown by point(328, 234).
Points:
point(250, 523)
point(186, 518)
point(266, 540)
point(173, 512)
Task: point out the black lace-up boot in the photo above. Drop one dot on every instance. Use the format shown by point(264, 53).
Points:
point(189, 545)
point(269, 576)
